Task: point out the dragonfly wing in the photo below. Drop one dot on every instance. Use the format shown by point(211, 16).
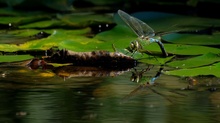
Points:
point(139, 27)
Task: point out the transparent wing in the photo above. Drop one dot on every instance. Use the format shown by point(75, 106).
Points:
point(140, 28)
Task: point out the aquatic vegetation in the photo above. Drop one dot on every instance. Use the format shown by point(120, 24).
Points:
point(189, 48)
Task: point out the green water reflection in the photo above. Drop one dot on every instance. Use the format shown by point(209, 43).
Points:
point(27, 98)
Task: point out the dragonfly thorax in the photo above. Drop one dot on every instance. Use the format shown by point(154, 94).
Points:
point(135, 45)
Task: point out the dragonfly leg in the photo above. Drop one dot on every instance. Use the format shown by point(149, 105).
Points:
point(145, 51)
point(133, 53)
point(114, 48)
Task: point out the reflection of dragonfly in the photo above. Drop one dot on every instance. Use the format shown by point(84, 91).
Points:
point(144, 32)
point(147, 82)
point(139, 78)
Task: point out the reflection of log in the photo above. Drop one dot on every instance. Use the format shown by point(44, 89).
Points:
point(95, 58)
point(79, 71)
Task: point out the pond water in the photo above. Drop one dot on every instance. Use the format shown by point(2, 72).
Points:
point(40, 96)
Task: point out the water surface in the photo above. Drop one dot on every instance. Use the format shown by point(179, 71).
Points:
point(40, 96)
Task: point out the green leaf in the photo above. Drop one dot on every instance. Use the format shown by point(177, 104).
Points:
point(119, 33)
point(120, 36)
point(57, 37)
point(19, 36)
point(193, 39)
point(61, 5)
point(44, 24)
point(155, 60)
point(8, 12)
point(207, 70)
point(205, 59)
point(14, 58)
point(81, 44)
point(9, 47)
point(179, 49)
point(171, 22)
point(21, 20)
point(84, 20)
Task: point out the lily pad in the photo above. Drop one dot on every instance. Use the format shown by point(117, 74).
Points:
point(81, 44)
point(14, 58)
point(60, 5)
point(9, 47)
point(119, 32)
point(160, 21)
point(21, 20)
point(194, 39)
point(205, 59)
point(206, 70)
point(44, 24)
point(19, 36)
point(84, 20)
point(180, 49)
point(8, 12)
point(155, 60)
point(56, 38)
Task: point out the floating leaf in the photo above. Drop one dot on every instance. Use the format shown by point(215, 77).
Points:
point(119, 33)
point(179, 49)
point(57, 37)
point(207, 70)
point(205, 59)
point(21, 36)
point(8, 12)
point(14, 58)
point(193, 39)
point(171, 22)
point(81, 44)
point(9, 47)
point(17, 20)
point(44, 24)
point(61, 5)
point(84, 20)
point(155, 60)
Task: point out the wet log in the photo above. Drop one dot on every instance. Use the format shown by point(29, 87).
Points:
point(103, 59)
point(69, 71)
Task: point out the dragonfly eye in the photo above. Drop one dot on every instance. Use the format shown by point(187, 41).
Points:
point(132, 45)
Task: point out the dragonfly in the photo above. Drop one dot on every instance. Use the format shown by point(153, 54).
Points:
point(144, 32)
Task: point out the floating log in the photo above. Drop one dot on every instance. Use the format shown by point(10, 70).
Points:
point(69, 71)
point(95, 58)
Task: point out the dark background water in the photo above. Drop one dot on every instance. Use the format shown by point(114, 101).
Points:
point(203, 8)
